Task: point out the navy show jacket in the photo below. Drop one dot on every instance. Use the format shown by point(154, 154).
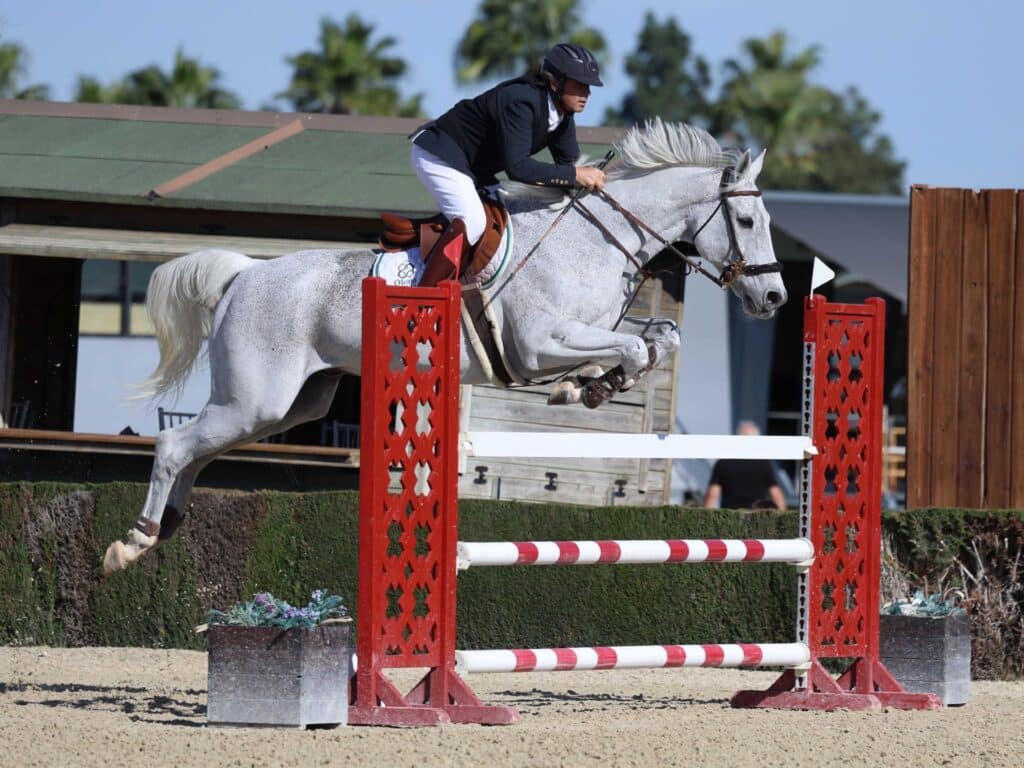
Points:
point(499, 130)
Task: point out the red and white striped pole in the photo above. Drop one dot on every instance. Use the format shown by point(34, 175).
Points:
point(634, 657)
point(479, 553)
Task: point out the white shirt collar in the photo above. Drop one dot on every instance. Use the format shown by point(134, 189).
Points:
point(554, 119)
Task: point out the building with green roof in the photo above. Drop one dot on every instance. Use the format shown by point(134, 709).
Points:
point(93, 197)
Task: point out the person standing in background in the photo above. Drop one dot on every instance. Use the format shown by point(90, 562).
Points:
point(744, 483)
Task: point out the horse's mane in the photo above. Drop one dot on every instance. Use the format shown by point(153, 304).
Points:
point(645, 148)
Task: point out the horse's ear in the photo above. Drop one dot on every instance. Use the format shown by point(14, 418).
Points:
point(743, 164)
point(755, 166)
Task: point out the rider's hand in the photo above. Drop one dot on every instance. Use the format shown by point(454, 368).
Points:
point(590, 177)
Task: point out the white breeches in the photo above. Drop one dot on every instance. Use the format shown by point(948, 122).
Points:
point(453, 191)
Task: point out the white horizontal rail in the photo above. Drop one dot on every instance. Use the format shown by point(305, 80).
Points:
point(481, 553)
point(615, 445)
point(634, 657)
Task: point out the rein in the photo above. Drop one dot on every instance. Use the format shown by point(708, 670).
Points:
point(736, 269)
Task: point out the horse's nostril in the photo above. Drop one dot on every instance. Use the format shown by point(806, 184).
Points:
point(772, 299)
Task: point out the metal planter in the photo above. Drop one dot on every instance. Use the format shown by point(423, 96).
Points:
point(269, 676)
point(929, 655)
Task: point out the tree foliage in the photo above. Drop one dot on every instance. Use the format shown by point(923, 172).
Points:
point(13, 68)
point(350, 73)
point(817, 139)
point(667, 82)
point(188, 84)
point(510, 37)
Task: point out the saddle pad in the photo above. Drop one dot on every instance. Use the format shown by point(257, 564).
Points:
point(401, 268)
point(405, 268)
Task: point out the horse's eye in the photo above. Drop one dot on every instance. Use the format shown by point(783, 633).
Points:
point(745, 221)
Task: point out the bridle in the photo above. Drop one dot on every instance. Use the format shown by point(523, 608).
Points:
point(737, 265)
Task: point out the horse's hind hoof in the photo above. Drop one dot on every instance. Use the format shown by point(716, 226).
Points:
point(126, 551)
point(115, 559)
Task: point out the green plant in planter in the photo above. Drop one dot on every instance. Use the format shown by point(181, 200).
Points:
point(265, 610)
point(934, 606)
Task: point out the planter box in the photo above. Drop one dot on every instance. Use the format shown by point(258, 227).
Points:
point(929, 655)
point(269, 676)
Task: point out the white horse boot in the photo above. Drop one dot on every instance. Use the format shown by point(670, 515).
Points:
point(135, 544)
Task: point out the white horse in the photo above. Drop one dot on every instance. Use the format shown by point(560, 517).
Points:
point(282, 332)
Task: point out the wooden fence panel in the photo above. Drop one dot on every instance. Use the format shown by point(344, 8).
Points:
point(965, 410)
point(1017, 438)
point(920, 322)
point(942, 436)
point(1001, 221)
point(973, 326)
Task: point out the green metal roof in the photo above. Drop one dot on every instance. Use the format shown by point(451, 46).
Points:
point(339, 166)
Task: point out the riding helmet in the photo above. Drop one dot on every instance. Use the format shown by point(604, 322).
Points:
point(572, 61)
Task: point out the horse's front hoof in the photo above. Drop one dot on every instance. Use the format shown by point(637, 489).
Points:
point(592, 396)
point(123, 553)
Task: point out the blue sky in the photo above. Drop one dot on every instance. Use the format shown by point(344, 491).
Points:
point(944, 74)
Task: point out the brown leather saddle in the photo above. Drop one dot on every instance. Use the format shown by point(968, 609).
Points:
point(401, 234)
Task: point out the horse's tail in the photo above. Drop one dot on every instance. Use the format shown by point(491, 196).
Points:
point(180, 300)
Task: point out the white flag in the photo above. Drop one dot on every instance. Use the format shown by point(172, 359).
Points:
point(821, 274)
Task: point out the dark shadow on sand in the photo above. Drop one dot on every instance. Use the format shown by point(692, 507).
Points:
point(156, 708)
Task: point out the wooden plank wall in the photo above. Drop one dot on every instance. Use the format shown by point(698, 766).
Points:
point(965, 416)
point(648, 407)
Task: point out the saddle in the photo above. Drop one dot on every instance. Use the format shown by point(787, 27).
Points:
point(401, 234)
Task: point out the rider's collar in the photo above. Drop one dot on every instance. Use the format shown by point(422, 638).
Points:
point(554, 117)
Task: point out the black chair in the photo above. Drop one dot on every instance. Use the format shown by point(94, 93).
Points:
point(21, 415)
point(339, 434)
point(169, 419)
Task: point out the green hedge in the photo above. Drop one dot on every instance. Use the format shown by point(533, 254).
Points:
point(52, 539)
point(622, 604)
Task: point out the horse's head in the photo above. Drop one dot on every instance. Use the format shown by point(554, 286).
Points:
point(731, 232)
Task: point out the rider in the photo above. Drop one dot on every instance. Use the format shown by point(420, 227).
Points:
point(499, 130)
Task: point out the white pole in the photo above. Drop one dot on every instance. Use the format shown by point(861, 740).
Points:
point(612, 445)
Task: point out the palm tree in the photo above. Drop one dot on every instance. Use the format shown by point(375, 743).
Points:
point(189, 84)
point(768, 99)
point(13, 67)
point(510, 37)
point(820, 140)
point(349, 74)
